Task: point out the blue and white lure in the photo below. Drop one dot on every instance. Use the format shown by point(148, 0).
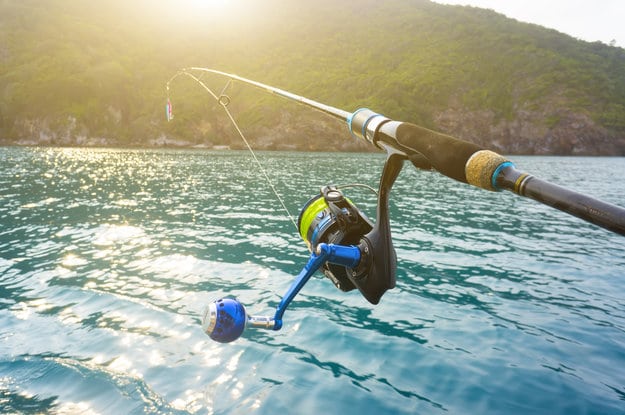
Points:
point(169, 113)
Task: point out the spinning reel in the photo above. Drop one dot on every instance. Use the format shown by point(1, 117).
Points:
point(350, 250)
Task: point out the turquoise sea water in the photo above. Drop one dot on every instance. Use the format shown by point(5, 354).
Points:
point(108, 256)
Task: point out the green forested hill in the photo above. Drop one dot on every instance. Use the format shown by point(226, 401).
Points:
point(94, 73)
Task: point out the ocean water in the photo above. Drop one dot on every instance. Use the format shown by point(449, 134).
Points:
point(108, 257)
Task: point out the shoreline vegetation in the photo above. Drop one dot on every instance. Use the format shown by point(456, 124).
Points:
point(75, 73)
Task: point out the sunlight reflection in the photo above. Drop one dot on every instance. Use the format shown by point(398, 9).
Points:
point(112, 234)
point(190, 403)
point(68, 408)
point(105, 253)
point(71, 260)
point(185, 268)
point(44, 202)
point(65, 272)
point(126, 203)
point(67, 316)
point(21, 311)
point(178, 335)
point(210, 352)
point(98, 359)
point(236, 390)
point(156, 358)
point(24, 310)
point(234, 361)
point(147, 325)
point(256, 404)
point(121, 364)
point(211, 361)
point(91, 285)
point(222, 378)
point(234, 387)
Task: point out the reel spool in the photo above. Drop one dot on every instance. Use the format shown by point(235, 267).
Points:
point(331, 218)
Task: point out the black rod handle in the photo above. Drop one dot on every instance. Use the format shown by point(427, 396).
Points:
point(446, 154)
point(469, 163)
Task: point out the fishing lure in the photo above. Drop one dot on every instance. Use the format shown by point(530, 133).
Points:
point(169, 113)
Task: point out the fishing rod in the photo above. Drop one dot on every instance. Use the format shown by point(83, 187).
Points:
point(345, 245)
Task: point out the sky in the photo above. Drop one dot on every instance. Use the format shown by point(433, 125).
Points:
point(589, 20)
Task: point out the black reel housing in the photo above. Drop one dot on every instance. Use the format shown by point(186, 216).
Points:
point(331, 218)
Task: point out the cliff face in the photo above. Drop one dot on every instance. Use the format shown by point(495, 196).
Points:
point(77, 73)
point(571, 133)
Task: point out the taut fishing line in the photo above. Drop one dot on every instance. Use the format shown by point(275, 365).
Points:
point(351, 250)
point(224, 100)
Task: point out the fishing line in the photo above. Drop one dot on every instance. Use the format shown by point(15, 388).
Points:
point(366, 186)
point(224, 100)
point(260, 166)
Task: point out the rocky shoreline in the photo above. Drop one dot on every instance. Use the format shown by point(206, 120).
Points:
point(572, 134)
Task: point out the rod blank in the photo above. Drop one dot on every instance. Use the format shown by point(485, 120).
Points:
point(592, 210)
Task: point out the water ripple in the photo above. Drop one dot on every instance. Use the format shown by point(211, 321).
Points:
point(108, 256)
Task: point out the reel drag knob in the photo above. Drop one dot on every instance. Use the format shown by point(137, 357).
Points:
point(224, 320)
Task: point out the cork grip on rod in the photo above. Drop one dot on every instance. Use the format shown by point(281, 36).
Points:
point(481, 168)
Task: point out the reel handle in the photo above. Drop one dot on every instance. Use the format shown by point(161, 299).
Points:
point(337, 254)
point(261, 322)
point(225, 319)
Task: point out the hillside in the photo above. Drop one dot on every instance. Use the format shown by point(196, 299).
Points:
point(74, 72)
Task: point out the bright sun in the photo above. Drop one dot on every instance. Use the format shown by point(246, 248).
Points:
point(210, 12)
point(214, 6)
